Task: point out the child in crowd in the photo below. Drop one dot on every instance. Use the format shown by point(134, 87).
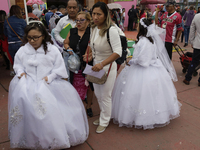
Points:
point(45, 111)
point(144, 95)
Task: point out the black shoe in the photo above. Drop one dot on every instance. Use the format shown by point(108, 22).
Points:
point(89, 112)
point(186, 44)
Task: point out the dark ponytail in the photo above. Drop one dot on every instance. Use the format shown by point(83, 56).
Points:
point(143, 30)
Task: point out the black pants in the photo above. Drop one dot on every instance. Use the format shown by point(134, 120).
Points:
point(194, 63)
point(182, 36)
point(169, 46)
point(130, 24)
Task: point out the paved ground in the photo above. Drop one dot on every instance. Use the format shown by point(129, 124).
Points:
point(182, 133)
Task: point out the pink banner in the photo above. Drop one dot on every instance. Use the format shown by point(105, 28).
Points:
point(127, 5)
point(4, 5)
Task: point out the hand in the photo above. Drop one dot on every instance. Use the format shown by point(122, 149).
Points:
point(45, 78)
point(22, 75)
point(158, 9)
point(127, 60)
point(192, 46)
point(89, 57)
point(70, 52)
point(97, 67)
point(175, 43)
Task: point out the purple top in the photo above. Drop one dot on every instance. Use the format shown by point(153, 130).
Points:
point(188, 17)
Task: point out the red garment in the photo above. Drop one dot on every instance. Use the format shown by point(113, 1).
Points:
point(172, 24)
point(4, 44)
point(31, 15)
point(143, 16)
point(79, 84)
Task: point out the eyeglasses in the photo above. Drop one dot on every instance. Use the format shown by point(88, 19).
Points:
point(81, 20)
point(35, 38)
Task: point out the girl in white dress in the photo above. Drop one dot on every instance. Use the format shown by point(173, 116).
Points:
point(45, 111)
point(144, 95)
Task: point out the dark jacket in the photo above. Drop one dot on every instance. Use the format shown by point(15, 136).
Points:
point(132, 13)
point(183, 12)
point(79, 46)
point(188, 17)
point(18, 26)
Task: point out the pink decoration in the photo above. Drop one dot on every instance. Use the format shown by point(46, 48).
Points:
point(31, 2)
point(145, 2)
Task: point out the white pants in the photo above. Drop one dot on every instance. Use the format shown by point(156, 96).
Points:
point(103, 93)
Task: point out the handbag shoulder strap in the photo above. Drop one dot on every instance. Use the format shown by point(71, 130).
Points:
point(13, 30)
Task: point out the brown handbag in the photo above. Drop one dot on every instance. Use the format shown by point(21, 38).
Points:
point(95, 79)
point(13, 30)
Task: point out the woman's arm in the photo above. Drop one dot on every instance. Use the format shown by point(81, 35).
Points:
point(107, 61)
point(116, 47)
point(66, 43)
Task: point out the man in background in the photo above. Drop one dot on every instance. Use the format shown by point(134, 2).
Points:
point(132, 17)
point(172, 22)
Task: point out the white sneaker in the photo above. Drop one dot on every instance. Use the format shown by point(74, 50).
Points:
point(100, 129)
point(96, 122)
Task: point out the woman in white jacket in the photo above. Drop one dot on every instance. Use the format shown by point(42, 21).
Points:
point(103, 56)
point(45, 111)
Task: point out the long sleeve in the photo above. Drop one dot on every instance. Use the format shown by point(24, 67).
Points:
point(184, 17)
point(59, 70)
point(115, 41)
point(192, 31)
point(57, 30)
point(143, 53)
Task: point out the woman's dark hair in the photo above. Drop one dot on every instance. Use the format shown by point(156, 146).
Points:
point(142, 11)
point(143, 30)
point(2, 19)
point(39, 27)
point(108, 22)
point(29, 9)
point(15, 10)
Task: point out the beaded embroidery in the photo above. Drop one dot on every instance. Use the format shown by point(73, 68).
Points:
point(39, 107)
point(15, 116)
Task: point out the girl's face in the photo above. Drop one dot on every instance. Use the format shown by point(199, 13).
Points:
point(98, 17)
point(35, 38)
point(81, 22)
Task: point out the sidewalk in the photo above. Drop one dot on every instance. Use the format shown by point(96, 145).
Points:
point(182, 133)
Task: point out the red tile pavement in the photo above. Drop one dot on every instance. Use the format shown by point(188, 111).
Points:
point(182, 133)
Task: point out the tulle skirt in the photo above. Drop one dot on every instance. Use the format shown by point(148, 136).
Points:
point(45, 116)
point(144, 97)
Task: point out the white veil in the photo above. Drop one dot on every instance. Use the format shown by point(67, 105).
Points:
point(158, 36)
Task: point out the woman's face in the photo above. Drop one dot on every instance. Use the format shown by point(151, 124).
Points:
point(98, 17)
point(81, 22)
point(35, 38)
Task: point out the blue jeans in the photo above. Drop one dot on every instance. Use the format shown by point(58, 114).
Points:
point(13, 48)
point(194, 63)
point(186, 33)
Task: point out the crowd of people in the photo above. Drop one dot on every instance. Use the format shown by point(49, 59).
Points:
point(46, 109)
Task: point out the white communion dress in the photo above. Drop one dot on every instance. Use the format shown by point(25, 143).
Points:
point(144, 95)
point(44, 115)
